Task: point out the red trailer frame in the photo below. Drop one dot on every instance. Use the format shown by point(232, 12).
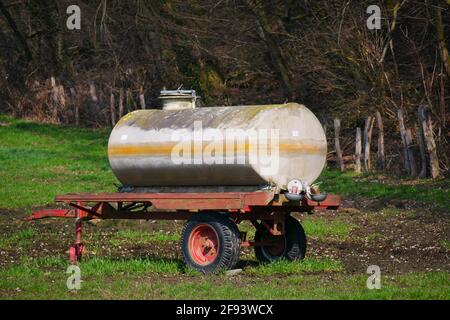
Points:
point(265, 209)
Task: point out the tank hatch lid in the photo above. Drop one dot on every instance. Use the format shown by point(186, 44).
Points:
point(178, 99)
point(164, 94)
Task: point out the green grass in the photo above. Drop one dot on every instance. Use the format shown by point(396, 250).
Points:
point(375, 236)
point(320, 229)
point(101, 267)
point(431, 286)
point(366, 185)
point(287, 267)
point(129, 236)
point(156, 279)
point(38, 161)
point(161, 236)
point(446, 244)
point(22, 238)
point(246, 226)
point(98, 266)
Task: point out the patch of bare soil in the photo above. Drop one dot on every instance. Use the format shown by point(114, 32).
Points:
point(398, 240)
point(368, 205)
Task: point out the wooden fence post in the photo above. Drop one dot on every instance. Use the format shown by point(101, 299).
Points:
point(367, 141)
point(325, 129)
point(358, 151)
point(337, 128)
point(54, 96)
point(62, 101)
point(411, 160)
point(142, 98)
point(93, 92)
point(380, 152)
point(403, 137)
point(422, 147)
point(427, 125)
point(94, 98)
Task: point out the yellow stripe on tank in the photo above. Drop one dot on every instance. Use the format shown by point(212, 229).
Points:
point(166, 149)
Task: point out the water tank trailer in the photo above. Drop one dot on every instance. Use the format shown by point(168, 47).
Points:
point(213, 167)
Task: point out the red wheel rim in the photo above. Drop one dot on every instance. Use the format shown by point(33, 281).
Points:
point(203, 244)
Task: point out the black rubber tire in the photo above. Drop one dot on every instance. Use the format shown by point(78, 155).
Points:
point(295, 243)
point(228, 238)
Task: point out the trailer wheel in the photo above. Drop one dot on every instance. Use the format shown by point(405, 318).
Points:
point(290, 246)
point(210, 242)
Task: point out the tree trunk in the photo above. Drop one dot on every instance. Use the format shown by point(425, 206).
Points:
point(131, 105)
point(442, 101)
point(45, 14)
point(445, 57)
point(267, 26)
point(19, 36)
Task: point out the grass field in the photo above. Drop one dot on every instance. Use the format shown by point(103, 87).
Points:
point(402, 225)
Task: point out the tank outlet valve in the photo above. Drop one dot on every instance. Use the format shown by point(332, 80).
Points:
point(295, 190)
point(298, 189)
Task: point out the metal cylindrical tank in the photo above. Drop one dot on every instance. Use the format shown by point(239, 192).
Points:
point(218, 146)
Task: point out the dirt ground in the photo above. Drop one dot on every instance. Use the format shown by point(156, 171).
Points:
point(398, 236)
